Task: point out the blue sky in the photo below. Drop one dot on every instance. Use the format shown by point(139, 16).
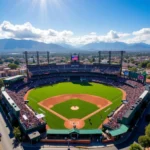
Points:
point(81, 17)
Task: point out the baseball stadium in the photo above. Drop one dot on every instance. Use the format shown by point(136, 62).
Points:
point(74, 101)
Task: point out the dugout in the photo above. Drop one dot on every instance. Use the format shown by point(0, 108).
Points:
point(73, 134)
point(116, 133)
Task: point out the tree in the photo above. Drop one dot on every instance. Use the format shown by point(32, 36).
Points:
point(144, 141)
point(135, 146)
point(134, 69)
point(148, 65)
point(1, 62)
point(16, 62)
point(17, 133)
point(132, 60)
point(1, 83)
point(9, 60)
point(148, 77)
point(147, 131)
point(144, 64)
point(12, 66)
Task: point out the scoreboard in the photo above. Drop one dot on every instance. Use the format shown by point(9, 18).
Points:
point(74, 58)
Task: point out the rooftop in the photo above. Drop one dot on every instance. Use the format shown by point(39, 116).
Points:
point(67, 131)
point(14, 77)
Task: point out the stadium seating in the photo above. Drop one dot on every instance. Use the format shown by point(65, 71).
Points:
point(17, 91)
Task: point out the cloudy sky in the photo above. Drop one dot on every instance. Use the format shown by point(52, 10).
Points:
point(76, 22)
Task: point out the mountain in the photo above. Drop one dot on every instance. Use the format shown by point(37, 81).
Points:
point(67, 46)
point(22, 45)
point(116, 46)
point(11, 45)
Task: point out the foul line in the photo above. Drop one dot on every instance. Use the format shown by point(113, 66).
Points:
point(55, 113)
point(95, 112)
point(66, 119)
point(42, 110)
point(107, 109)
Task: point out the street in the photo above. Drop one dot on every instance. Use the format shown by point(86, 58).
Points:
point(7, 140)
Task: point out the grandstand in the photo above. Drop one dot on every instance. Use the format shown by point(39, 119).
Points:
point(48, 74)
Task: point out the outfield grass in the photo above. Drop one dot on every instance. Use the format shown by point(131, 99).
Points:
point(41, 93)
point(85, 108)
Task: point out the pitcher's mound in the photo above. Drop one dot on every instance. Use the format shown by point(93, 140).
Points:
point(74, 108)
point(71, 123)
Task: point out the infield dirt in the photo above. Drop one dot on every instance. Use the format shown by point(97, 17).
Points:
point(50, 102)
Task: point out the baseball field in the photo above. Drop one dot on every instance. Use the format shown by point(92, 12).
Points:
point(84, 104)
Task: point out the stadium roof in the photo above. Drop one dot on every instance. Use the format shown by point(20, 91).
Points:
point(67, 131)
point(10, 101)
point(123, 129)
point(14, 78)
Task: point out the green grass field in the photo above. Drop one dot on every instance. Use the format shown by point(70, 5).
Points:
point(64, 108)
point(108, 92)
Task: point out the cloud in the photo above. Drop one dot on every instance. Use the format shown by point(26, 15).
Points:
point(142, 35)
point(20, 31)
point(28, 32)
point(144, 31)
point(112, 34)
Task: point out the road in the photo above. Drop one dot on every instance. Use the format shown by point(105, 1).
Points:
point(7, 141)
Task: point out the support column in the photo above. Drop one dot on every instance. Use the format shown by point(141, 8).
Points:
point(47, 57)
point(37, 56)
point(121, 61)
point(109, 57)
point(70, 57)
point(26, 60)
point(99, 60)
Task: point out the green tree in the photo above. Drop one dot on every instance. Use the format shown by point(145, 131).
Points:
point(135, 146)
point(134, 69)
point(132, 60)
point(1, 62)
point(148, 65)
point(144, 64)
point(9, 60)
point(12, 66)
point(16, 62)
point(17, 133)
point(1, 83)
point(148, 77)
point(147, 131)
point(144, 141)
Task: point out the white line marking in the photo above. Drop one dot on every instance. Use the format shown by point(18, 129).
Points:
point(107, 109)
point(42, 110)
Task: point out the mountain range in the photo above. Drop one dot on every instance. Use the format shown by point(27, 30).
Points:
point(7, 45)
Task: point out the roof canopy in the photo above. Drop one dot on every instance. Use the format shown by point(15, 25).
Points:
point(123, 129)
point(13, 79)
point(67, 131)
point(33, 135)
point(10, 101)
